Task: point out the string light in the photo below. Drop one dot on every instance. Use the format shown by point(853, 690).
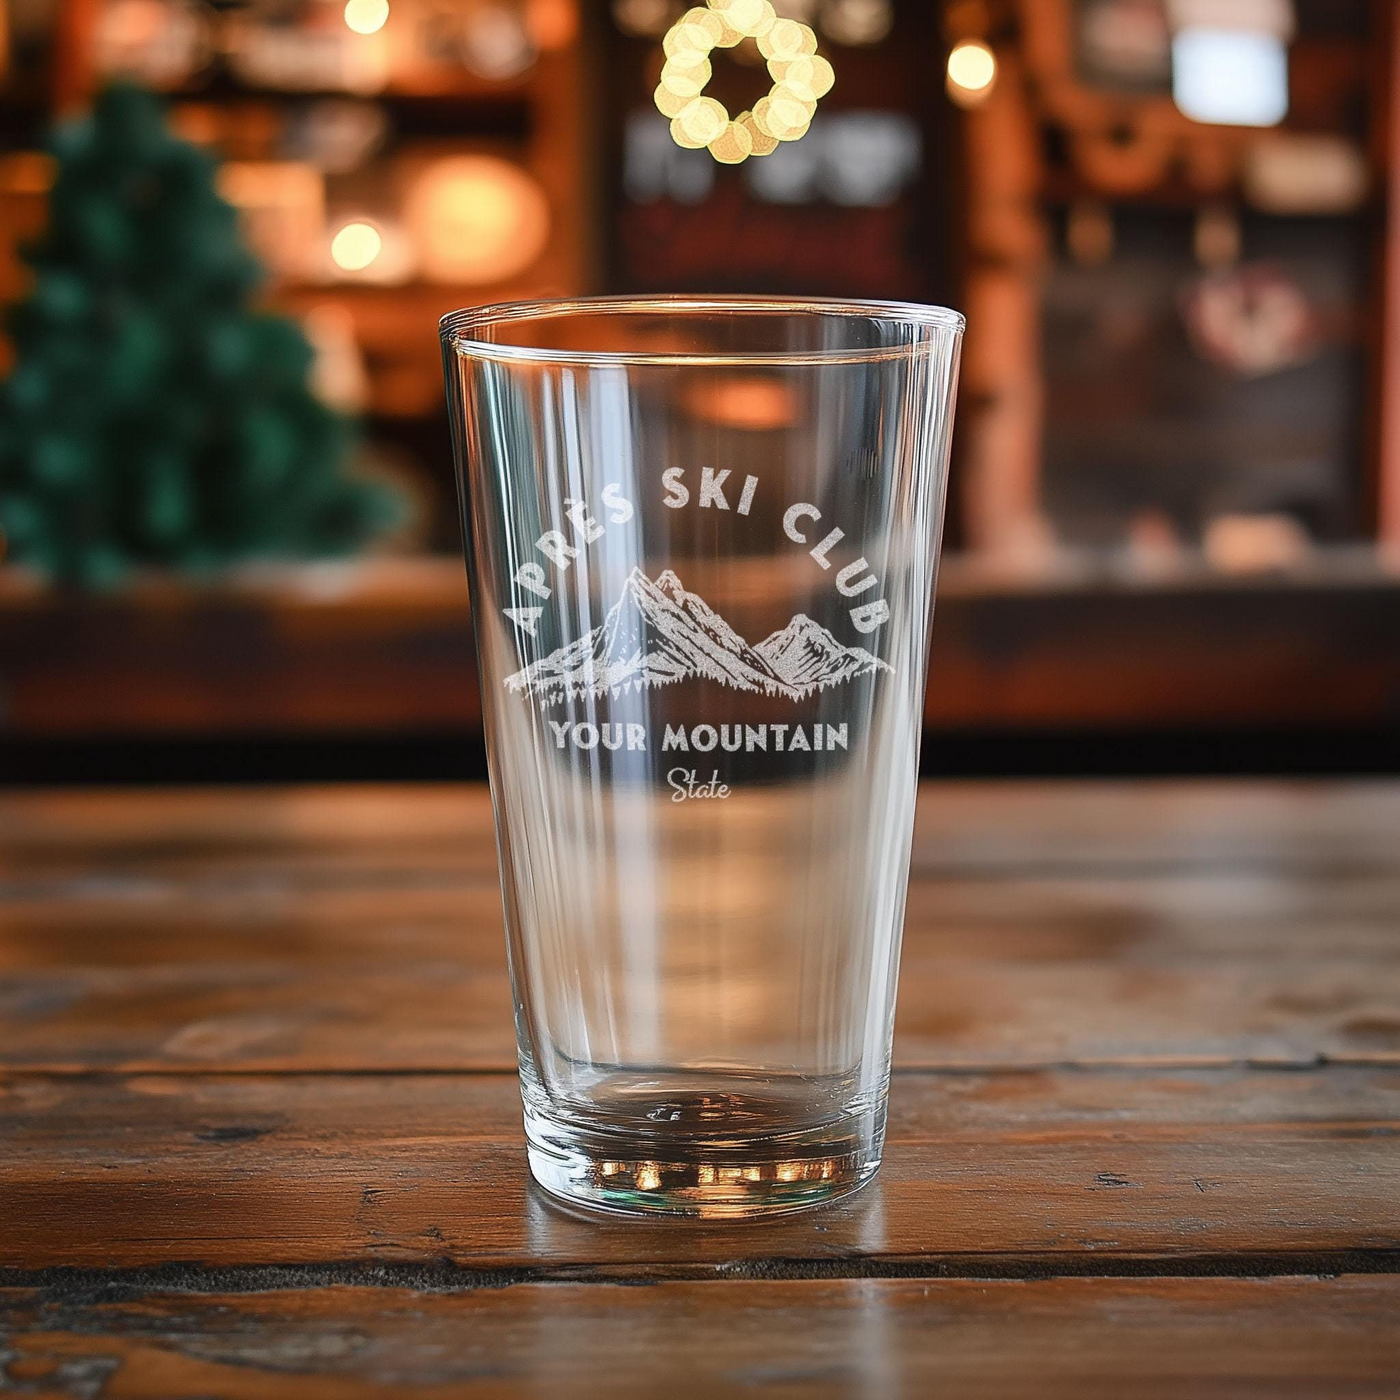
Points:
point(972, 69)
point(801, 77)
point(366, 16)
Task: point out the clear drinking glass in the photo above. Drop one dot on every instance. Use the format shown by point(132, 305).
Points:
point(702, 537)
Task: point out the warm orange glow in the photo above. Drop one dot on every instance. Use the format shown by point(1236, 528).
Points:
point(552, 24)
point(477, 219)
point(750, 403)
point(27, 172)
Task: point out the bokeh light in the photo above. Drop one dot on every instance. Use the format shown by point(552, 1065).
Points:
point(800, 78)
point(477, 219)
point(972, 69)
point(366, 16)
point(356, 246)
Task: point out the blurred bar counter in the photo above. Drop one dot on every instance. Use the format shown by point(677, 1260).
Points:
point(382, 652)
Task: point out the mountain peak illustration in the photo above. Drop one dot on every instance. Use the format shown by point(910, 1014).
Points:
point(805, 655)
point(658, 633)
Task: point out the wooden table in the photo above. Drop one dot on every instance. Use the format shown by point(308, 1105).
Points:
point(259, 1132)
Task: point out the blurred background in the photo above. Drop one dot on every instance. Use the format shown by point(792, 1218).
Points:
point(227, 231)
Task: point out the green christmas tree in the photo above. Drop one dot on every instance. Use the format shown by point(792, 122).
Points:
point(154, 416)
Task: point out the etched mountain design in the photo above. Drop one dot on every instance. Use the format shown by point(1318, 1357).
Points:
point(657, 633)
point(805, 655)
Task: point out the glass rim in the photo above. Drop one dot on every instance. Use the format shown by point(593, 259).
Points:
point(460, 329)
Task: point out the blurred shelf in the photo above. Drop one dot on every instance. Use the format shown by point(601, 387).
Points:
point(328, 648)
point(1178, 195)
point(417, 295)
point(462, 87)
point(385, 647)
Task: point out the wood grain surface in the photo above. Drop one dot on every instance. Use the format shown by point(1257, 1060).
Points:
point(1093, 1339)
point(1135, 923)
point(1003, 1172)
point(260, 1135)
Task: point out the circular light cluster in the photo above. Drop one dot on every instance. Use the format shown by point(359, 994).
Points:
point(800, 77)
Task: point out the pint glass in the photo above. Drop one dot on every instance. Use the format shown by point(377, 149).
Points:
point(702, 537)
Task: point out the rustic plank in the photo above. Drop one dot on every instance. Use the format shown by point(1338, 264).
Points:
point(874, 1338)
point(995, 972)
point(207, 938)
point(57, 843)
point(1075, 923)
point(1013, 1171)
point(1321, 828)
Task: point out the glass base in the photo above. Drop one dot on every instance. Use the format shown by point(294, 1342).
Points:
point(708, 1161)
